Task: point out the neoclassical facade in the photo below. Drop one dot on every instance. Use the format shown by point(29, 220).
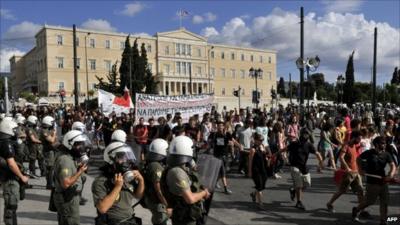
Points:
point(182, 62)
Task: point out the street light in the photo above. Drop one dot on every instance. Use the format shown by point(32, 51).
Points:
point(340, 82)
point(311, 64)
point(209, 69)
point(87, 75)
point(256, 73)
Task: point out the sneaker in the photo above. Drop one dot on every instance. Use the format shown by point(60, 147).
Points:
point(292, 193)
point(276, 176)
point(354, 214)
point(365, 214)
point(330, 208)
point(218, 186)
point(300, 205)
point(227, 191)
point(253, 196)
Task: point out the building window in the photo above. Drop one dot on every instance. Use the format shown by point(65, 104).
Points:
point(189, 67)
point(107, 65)
point(122, 45)
point(150, 66)
point(212, 72)
point(93, 86)
point(79, 87)
point(199, 70)
point(223, 92)
point(166, 68)
point(232, 56)
point(77, 41)
point(252, 58)
point(178, 49)
point(108, 44)
point(200, 89)
point(92, 43)
point(199, 52)
point(270, 75)
point(183, 49)
point(189, 49)
point(222, 72)
point(222, 55)
point(183, 69)
point(166, 50)
point(242, 74)
point(178, 67)
point(59, 40)
point(60, 62)
point(61, 85)
point(261, 59)
point(233, 73)
point(261, 92)
point(212, 54)
point(243, 92)
point(78, 63)
point(92, 63)
point(148, 48)
point(269, 60)
point(242, 57)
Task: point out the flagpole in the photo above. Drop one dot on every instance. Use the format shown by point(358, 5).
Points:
point(180, 18)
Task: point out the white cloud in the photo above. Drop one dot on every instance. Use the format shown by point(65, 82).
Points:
point(209, 31)
point(132, 9)
point(5, 55)
point(206, 17)
point(98, 24)
point(6, 14)
point(332, 36)
point(141, 34)
point(210, 17)
point(21, 35)
point(340, 6)
point(197, 19)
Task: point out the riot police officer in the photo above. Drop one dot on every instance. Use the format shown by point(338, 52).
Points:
point(180, 184)
point(77, 125)
point(22, 149)
point(154, 199)
point(69, 165)
point(48, 138)
point(10, 173)
point(35, 146)
point(120, 182)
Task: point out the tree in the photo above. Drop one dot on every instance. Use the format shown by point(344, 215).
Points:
point(138, 69)
point(396, 77)
point(126, 65)
point(348, 95)
point(113, 84)
point(149, 80)
point(281, 87)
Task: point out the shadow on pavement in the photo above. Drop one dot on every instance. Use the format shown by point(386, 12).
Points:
point(51, 217)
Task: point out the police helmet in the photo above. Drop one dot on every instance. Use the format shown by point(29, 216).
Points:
point(180, 151)
point(157, 150)
point(119, 135)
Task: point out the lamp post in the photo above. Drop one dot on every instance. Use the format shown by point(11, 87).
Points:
point(340, 82)
point(209, 69)
point(256, 73)
point(87, 75)
point(311, 64)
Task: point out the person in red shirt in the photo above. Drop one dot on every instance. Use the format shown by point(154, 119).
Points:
point(348, 158)
point(141, 134)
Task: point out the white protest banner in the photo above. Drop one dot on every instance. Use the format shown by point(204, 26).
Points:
point(109, 103)
point(154, 106)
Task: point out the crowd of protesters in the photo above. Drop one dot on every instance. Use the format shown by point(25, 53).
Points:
point(263, 144)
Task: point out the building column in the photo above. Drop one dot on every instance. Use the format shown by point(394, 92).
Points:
point(163, 84)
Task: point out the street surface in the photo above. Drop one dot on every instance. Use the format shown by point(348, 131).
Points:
point(230, 209)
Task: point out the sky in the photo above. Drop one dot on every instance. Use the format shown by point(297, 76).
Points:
point(333, 29)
